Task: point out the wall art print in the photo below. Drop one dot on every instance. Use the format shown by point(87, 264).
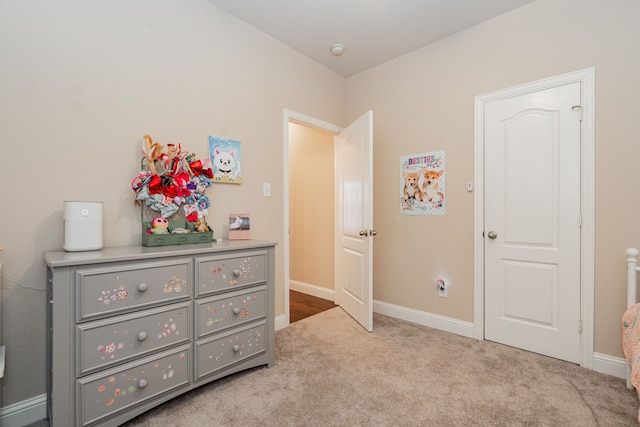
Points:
point(422, 184)
point(226, 159)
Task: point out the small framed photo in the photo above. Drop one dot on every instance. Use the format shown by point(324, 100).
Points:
point(239, 226)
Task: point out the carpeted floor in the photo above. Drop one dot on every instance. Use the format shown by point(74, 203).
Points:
point(331, 372)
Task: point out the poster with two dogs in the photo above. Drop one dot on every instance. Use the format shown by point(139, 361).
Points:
point(422, 184)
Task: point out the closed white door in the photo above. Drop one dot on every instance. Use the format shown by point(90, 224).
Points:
point(354, 220)
point(532, 222)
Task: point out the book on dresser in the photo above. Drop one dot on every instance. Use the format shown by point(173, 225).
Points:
point(132, 327)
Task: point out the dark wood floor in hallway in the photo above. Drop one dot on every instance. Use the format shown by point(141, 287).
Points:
point(303, 305)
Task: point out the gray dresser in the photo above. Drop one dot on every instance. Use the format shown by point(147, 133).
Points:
point(132, 327)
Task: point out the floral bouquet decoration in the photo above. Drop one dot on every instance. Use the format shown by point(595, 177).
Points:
point(172, 184)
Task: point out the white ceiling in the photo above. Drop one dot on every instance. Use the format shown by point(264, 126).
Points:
point(372, 31)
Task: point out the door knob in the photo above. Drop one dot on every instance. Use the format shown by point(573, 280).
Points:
point(492, 235)
point(363, 232)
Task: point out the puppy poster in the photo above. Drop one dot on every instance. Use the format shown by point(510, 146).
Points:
point(422, 179)
point(226, 159)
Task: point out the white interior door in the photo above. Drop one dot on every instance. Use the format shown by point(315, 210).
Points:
point(532, 222)
point(354, 220)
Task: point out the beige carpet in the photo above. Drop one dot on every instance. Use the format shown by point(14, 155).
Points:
point(331, 372)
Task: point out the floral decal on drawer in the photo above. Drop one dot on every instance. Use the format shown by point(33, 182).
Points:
point(174, 285)
point(241, 345)
point(126, 340)
point(231, 274)
point(220, 310)
point(116, 388)
point(111, 296)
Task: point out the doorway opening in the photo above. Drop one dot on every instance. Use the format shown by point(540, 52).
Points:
point(353, 214)
point(311, 222)
point(309, 215)
point(302, 305)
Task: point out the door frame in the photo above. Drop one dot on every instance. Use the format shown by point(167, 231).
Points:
point(587, 199)
point(289, 116)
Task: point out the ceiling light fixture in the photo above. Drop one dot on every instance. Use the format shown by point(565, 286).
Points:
point(337, 49)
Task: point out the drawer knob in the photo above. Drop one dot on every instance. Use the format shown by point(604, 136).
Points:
point(236, 348)
point(142, 336)
point(236, 310)
point(142, 383)
point(142, 287)
point(236, 272)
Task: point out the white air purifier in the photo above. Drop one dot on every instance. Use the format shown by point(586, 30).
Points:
point(82, 226)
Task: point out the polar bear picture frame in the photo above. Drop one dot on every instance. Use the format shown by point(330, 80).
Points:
point(226, 160)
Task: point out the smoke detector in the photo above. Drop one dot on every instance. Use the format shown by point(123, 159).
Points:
point(337, 49)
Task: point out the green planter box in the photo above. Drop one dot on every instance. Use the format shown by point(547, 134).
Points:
point(175, 238)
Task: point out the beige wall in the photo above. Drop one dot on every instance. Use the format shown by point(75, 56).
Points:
point(81, 83)
point(311, 206)
point(424, 101)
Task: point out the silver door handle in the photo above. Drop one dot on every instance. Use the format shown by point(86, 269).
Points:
point(492, 235)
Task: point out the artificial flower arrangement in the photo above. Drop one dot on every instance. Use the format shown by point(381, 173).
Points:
point(172, 184)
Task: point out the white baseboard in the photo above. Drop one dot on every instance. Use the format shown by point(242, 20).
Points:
point(314, 290)
point(415, 316)
point(609, 365)
point(25, 412)
point(602, 363)
point(281, 322)
point(423, 318)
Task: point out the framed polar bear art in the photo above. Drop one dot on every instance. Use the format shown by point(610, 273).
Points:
point(226, 160)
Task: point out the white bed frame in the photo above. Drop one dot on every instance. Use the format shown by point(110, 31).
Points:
point(632, 270)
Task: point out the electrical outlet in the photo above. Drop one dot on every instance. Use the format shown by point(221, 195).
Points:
point(442, 288)
point(442, 292)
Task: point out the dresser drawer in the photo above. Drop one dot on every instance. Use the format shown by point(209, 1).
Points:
point(120, 288)
point(104, 394)
point(222, 351)
point(220, 312)
point(221, 273)
point(118, 339)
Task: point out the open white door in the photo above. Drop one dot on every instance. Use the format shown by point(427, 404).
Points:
point(354, 220)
